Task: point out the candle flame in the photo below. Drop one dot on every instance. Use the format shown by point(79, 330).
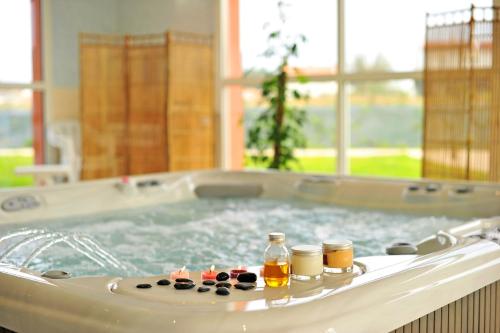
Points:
point(212, 268)
point(182, 269)
point(239, 267)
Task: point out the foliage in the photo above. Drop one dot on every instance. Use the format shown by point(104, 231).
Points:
point(279, 126)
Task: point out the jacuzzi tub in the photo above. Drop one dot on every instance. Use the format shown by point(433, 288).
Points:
point(451, 284)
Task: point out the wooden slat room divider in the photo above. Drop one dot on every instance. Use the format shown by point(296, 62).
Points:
point(191, 130)
point(103, 106)
point(146, 103)
point(462, 106)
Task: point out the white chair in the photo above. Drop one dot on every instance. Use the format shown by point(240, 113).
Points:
point(64, 136)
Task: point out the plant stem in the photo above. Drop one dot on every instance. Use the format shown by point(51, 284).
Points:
point(280, 112)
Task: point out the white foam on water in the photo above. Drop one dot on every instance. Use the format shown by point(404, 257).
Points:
point(199, 233)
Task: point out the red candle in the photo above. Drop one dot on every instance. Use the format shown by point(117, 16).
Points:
point(237, 271)
point(181, 273)
point(211, 274)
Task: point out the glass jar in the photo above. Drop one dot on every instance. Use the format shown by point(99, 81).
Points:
point(307, 263)
point(337, 256)
point(276, 261)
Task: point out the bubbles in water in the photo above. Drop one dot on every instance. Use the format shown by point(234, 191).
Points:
point(199, 233)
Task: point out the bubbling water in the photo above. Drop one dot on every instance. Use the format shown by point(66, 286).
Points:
point(199, 233)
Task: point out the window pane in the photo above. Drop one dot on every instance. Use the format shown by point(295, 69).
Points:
point(386, 128)
point(16, 135)
point(388, 35)
point(15, 41)
point(319, 154)
point(316, 19)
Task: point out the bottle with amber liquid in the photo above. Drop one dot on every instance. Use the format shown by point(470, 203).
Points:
point(276, 261)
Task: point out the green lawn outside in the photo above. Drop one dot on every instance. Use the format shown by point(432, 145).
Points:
point(7, 165)
point(386, 166)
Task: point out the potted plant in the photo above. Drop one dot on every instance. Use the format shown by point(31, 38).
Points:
point(280, 126)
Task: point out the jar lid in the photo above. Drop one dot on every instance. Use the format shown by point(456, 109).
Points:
point(337, 244)
point(276, 236)
point(306, 250)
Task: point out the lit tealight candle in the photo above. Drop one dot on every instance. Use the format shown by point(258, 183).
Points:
point(181, 273)
point(237, 271)
point(211, 274)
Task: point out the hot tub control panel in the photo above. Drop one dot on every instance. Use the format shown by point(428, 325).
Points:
point(19, 203)
point(492, 234)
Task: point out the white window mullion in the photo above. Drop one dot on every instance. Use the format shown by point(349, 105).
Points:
point(343, 129)
point(343, 123)
point(256, 81)
point(39, 86)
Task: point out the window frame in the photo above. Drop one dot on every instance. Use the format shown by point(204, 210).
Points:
point(343, 78)
point(37, 86)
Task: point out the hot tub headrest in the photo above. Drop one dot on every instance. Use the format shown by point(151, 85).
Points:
point(229, 190)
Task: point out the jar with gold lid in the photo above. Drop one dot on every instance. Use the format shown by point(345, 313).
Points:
point(337, 256)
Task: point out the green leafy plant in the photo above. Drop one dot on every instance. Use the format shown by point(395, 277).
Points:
point(280, 126)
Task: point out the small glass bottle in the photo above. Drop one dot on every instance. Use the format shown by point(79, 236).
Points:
point(276, 261)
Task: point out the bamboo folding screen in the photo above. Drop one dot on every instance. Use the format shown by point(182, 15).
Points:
point(462, 95)
point(146, 103)
point(103, 104)
point(190, 104)
point(146, 94)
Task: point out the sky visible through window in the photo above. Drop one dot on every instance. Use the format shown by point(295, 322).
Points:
point(15, 41)
point(391, 30)
point(316, 19)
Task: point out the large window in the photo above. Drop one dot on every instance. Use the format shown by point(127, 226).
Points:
point(364, 60)
point(21, 89)
point(386, 128)
point(15, 38)
point(320, 152)
point(259, 17)
point(388, 35)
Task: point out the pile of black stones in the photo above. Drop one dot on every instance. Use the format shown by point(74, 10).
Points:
point(246, 281)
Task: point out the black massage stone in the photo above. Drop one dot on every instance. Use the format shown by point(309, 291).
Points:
point(144, 286)
point(244, 286)
point(247, 277)
point(183, 285)
point(222, 276)
point(222, 291)
point(163, 282)
point(209, 283)
point(223, 284)
point(203, 289)
point(183, 280)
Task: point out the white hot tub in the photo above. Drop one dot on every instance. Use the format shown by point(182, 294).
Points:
point(71, 257)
